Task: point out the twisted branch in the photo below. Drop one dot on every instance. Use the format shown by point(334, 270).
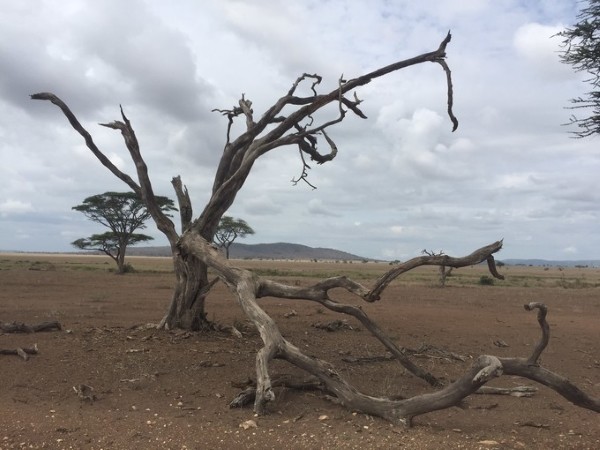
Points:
point(541, 316)
point(479, 255)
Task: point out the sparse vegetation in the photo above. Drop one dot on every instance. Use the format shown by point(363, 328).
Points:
point(100, 308)
point(485, 280)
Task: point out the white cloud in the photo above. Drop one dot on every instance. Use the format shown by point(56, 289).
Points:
point(540, 47)
point(510, 170)
point(396, 229)
point(10, 207)
point(520, 181)
point(261, 205)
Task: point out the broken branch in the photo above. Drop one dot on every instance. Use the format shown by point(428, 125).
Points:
point(20, 327)
point(479, 255)
point(541, 316)
point(23, 352)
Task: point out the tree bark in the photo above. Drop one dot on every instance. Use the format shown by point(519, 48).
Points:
point(120, 261)
point(20, 327)
point(187, 307)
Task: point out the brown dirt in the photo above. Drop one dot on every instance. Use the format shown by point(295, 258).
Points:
point(170, 390)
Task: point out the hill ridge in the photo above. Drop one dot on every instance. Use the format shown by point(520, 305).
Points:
point(275, 250)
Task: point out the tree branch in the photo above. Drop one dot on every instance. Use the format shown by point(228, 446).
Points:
point(184, 202)
point(88, 139)
point(23, 352)
point(145, 190)
point(20, 327)
point(163, 223)
point(479, 255)
point(239, 155)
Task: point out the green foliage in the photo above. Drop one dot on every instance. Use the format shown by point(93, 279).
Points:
point(581, 44)
point(108, 242)
point(229, 230)
point(123, 213)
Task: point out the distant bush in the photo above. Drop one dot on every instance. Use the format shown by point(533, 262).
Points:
point(485, 280)
point(127, 268)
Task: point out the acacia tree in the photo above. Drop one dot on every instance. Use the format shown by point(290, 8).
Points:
point(229, 230)
point(123, 213)
point(112, 245)
point(581, 46)
point(193, 252)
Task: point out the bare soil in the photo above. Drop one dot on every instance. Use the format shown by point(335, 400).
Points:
point(171, 389)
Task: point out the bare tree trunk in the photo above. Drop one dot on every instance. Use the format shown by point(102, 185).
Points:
point(120, 262)
point(187, 308)
point(444, 273)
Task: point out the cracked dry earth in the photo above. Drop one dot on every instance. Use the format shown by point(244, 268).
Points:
point(156, 389)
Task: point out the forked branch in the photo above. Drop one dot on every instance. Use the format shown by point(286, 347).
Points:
point(275, 130)
point(248, 288)
point(478, 256)
point(144, 190)
point(89, 142)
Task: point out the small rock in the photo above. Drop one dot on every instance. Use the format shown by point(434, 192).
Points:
point(488, 442)
point(324, 417)
point(248, 424)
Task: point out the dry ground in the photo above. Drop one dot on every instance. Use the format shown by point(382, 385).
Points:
point(160, 390)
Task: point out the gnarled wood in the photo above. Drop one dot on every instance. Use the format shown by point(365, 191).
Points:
point(479, 255)
point(23, 352)
point(20, 327)
point(290, 122)
point(542, 311)
point(246, 287)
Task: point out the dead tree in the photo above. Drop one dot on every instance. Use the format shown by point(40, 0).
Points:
point(445, 272)
point(271, 131)
point(193, 254)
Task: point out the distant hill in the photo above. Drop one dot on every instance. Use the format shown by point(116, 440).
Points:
point(279, 250)
point(546, 262)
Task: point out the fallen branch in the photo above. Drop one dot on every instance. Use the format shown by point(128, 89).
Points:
point(478, 256)
point(21, 351)
point(517, 391)
point(248, 395)
point(19, 327)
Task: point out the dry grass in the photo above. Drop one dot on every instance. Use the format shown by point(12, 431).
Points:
point(516, 276)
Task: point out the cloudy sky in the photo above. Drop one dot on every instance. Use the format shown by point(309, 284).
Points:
point(402, 181)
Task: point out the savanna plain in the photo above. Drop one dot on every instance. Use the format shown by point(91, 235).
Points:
point(157, 389)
